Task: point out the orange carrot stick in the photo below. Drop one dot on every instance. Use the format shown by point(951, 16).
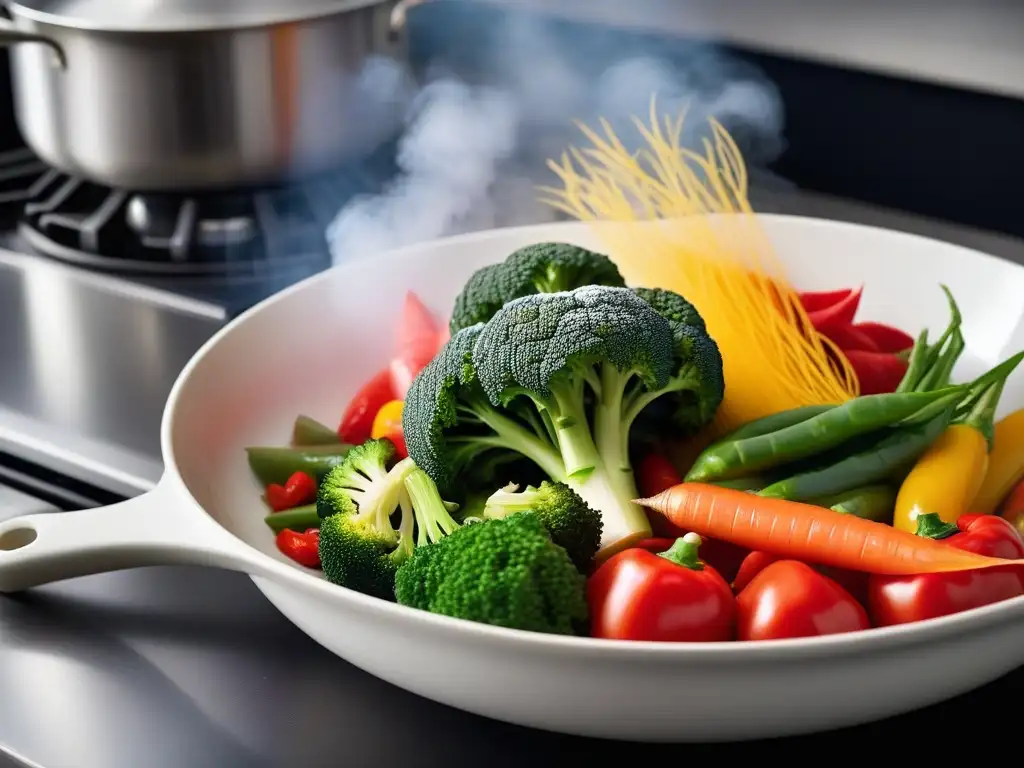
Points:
point(810, 533)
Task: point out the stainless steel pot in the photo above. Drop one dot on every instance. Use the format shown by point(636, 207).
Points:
point(192, 94)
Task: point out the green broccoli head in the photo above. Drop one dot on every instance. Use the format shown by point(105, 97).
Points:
point(504, 572)
point(356, 554)
point(697, 384)
point(559, 379)
point(539, 268)
point(671, 306)
point(571, 522)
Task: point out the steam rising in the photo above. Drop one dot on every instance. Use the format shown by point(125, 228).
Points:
point(470, 155)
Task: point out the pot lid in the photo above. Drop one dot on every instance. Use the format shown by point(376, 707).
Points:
point(176, 15)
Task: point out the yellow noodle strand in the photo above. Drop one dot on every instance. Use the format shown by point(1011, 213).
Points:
point(680, 218)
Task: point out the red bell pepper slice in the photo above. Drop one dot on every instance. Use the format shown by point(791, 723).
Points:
point(885, 337)
point(672, 596)
point(839, 314)
point(303, 548)
point(905, 599)
point(357, 422)
point(877, 372)
point(299, 489)
point(813, 301)
point(847, 337)
point(417, 340)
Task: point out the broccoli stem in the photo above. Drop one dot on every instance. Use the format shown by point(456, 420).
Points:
point(623, 521)
point(579, 453)
point(511, 435)
point(509, 501)
point(431, 512)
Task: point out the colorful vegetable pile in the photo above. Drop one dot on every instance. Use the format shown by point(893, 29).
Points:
point(504, 469)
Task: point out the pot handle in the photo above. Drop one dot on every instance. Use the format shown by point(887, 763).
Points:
point(157, 528)
point(398, 14)
point(11, 35)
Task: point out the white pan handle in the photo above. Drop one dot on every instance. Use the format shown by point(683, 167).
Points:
point(157, 528)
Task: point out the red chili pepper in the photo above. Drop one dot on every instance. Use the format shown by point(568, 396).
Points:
point(790, 599)
point(655, 474)
point(298, 490)
point(877, 372)
point(854, 582)
point(904, 599)
point(839, 314)
point(813, 301)
point(358, 419)
point(303, 548)
point(673, 596)
point(885, 337)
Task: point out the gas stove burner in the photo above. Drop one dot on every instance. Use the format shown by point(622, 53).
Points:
point(234, 234)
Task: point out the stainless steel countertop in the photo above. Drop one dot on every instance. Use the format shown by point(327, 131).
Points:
point(174, 667)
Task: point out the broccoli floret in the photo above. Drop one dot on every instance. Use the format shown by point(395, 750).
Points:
point(697, 386)
point(505, 572)
point(572, 524)
point(558, 378)
point(360, 548)
point(540, 268)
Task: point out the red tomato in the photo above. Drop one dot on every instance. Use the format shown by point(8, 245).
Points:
point(790, 599)
point(655, 473)
point(417, 339)
point(904, 599)
point(854, 582)
point(669, 597)
point(357, 422)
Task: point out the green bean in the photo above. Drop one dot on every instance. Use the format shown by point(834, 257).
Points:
point(297, 519)
point(915, 364)
point(307, 431)
point(775, 422)
point(870, 502)
point(749, 483)
point(874, 465)
point(938, 375)
point(273, 464)
point(819, 433)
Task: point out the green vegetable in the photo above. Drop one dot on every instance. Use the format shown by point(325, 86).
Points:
point(872, 502)
point(747, 483)
point(360, 546)
point(808, 438)
point(307, 431)
point(504, 572)
point(559, 379)
point(572, 524)
point(873, 465)
point(698, 385)
point(930, 366)
point(774, 422)
point(540, 268)
point(273, 464)
point(295, 519)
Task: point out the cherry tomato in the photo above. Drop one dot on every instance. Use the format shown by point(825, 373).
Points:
point(388, 423)
point(790, 599)
point(904, 599)
point(670, 597)
point(357, 422)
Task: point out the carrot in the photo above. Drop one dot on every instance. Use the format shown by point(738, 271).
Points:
point(810, 533)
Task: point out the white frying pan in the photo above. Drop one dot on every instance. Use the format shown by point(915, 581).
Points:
point(308, 348)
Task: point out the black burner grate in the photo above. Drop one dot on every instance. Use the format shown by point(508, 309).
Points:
point(235, 234)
